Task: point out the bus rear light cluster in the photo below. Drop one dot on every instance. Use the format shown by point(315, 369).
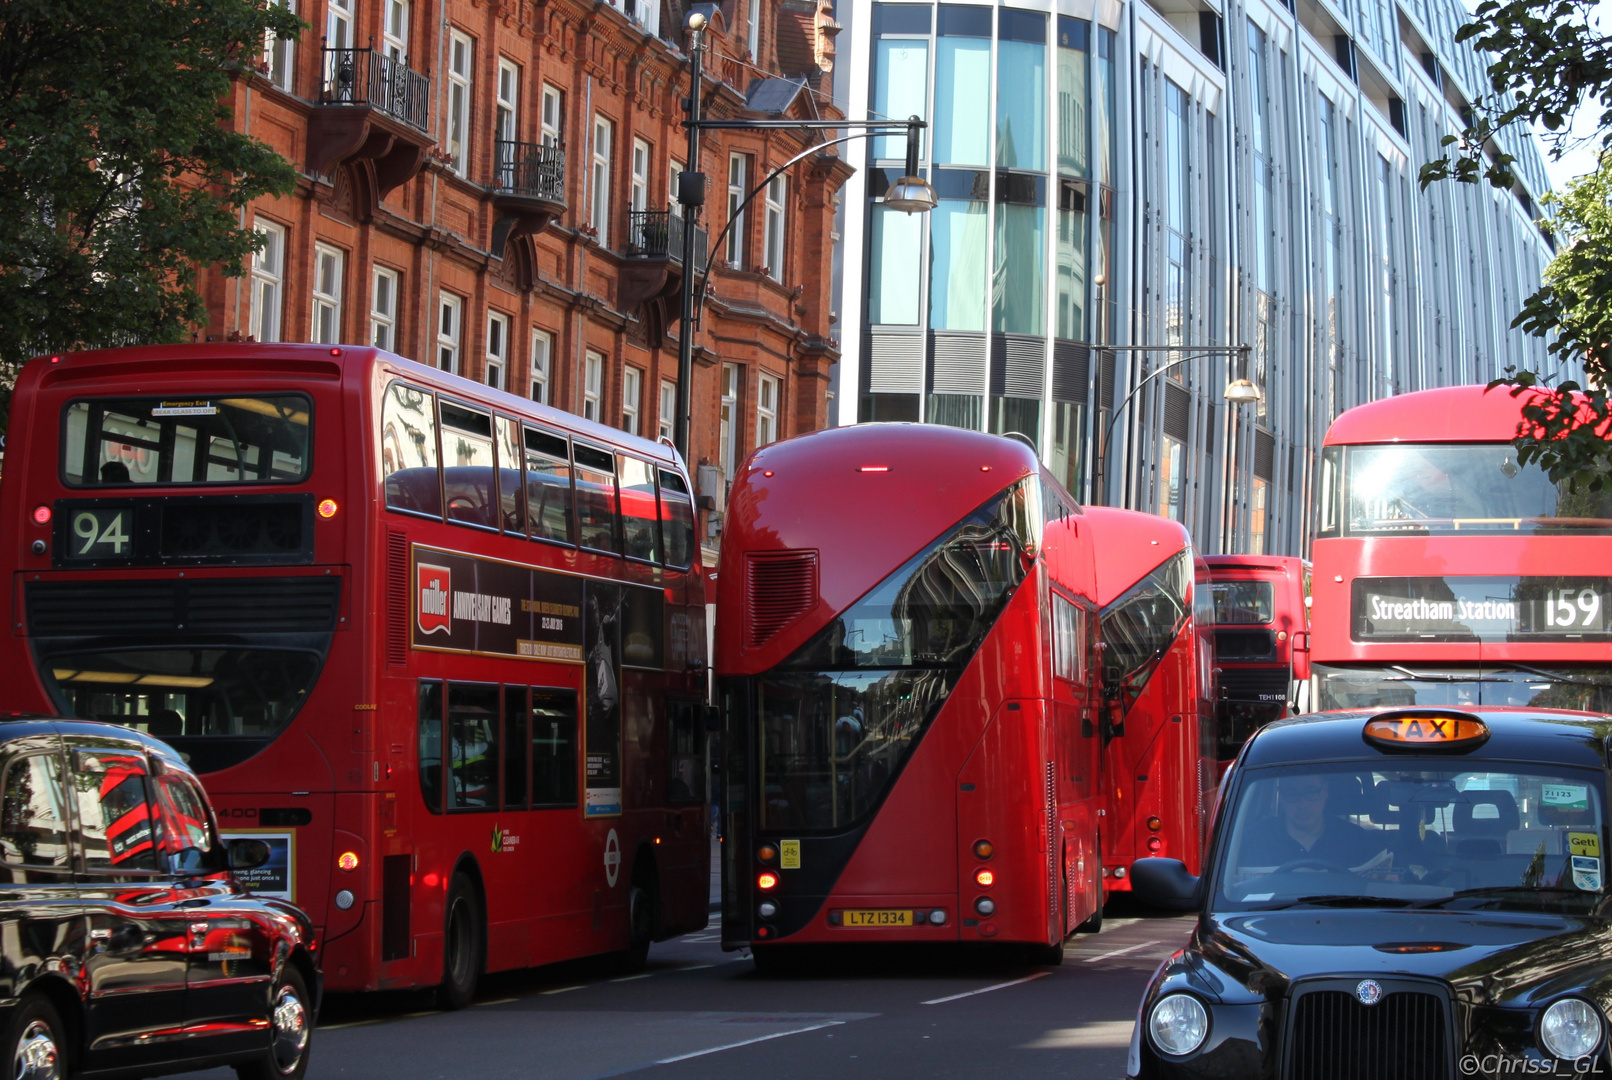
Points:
point(1154, 824)
point(327, 508)
point(1155, 845)
point(345, 899)
point(984, 849)
point(984, 878)
point(41, 515)
point(766, 853)
point(767, 909)
point(764, 931)
point(348, 861)
point(766, 881)
point(985, 906)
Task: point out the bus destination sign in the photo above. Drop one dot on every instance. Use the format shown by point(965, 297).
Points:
point(1481, 609)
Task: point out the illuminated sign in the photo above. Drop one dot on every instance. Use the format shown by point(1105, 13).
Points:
point(1429, 730)
point(1481, 609)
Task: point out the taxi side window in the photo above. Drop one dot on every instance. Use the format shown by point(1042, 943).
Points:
point(114, 811)
point(185, 831)
point(33, 814)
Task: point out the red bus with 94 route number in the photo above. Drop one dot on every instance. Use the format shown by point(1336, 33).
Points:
point(439, 646)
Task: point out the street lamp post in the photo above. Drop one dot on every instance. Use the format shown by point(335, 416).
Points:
point(1237, 391)
point(910, 193)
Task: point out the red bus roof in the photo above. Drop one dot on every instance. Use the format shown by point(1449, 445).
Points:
point(1446, 414)
point(871, 495)
point(1130, 545)
point(195, 363)
point(1268, 564)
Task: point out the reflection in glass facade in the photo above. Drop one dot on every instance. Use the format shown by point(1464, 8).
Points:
point(1168, 184)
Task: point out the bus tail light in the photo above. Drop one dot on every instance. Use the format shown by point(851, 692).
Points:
point(41, 515)
point(1154, 824)
point(1155, 845)
point(327, 508)
point(984, 878)
point(984, 849)
point(985, 906)
point(348, 861)
point(767, 881)
point(766, 853)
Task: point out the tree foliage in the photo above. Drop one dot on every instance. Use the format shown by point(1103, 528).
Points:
point(1549, 60)
point(120, 173)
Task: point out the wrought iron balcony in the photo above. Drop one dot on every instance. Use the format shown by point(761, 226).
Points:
point(371, 78)
point(658, 234)
point(531, 170)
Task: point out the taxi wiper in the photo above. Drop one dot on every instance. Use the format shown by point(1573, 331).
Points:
point(1502, 890)
point(1341, 900)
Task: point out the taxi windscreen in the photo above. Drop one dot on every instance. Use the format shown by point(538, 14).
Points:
point(1428, 834)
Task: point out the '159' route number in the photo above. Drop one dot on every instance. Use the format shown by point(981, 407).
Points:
point(100, 533)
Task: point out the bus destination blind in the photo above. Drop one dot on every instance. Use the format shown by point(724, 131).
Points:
point(1481, 609)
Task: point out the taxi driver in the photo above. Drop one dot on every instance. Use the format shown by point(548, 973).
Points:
point(1303, 831)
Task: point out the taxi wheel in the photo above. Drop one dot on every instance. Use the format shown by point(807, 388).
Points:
point(290, 1032)
point(38, 1048)
point(463, 945)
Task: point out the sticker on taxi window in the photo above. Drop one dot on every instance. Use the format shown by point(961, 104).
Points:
point(1584, 843)
point(1565, 796)
point(1587, 873)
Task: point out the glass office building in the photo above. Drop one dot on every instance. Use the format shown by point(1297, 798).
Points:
point(1128, 187)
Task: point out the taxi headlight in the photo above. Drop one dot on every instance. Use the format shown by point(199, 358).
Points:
point(1178, 1024)
point(1570, 1029)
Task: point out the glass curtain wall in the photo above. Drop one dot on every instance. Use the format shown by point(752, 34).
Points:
point(900, 89)
point(1071, 275)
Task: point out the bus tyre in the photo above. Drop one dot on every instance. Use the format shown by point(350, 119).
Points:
point(37, 1039)
point(290, 1031)
point(464, 945)
point(640, 930)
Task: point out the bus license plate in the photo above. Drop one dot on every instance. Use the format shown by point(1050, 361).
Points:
point(878, 918)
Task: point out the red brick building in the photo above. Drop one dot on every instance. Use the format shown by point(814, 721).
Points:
point(485, 184)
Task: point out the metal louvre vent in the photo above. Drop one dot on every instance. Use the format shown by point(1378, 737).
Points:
point(1264, 454)
point(779, 586)
point(1257, 686)
point(895, 361)
point(1107, 363)
point(1053, 844)
point(259, 605)
point(1177, 406)
point(397, 598)
point(1333, 1036)
point(957, 362)
point(1071, 371)
point(1017, 364)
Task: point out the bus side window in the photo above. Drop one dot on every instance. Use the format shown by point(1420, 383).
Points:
point(430, 723)
point(685, 728)
point(554, 748)
point(409, 452)
point(467, 466)
point(515, 748)
point(511, 502)
point(596, 499)
point(548, 486)
point(676, 519)
point(638, 514)
point(472, 746)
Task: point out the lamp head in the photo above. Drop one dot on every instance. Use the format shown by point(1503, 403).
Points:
point(696, 22)
point(911, 193)
point(1242, 392)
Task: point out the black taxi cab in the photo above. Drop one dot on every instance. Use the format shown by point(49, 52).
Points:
point(1408, 894)
point(126, 946)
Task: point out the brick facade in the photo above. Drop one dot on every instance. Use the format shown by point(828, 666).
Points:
point(400, 173)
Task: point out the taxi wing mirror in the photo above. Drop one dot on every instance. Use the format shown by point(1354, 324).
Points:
point(1164, 883)
point(247, 854)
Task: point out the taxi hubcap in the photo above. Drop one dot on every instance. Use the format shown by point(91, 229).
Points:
point(290, 1029)
point(37, 1056)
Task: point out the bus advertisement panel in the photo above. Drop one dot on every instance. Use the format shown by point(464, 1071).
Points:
point(1262, 641)
point(1447, 572)
point(1160, 778)
point(441, 647)
point(906, 670)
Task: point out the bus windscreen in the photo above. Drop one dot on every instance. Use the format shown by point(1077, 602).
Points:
point(1460, 488)
point(112, 442)
point(1243, 603)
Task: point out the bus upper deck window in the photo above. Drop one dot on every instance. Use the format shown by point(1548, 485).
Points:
point(548, 486)
point(676, 519)
point(409, 451)
point(639, 517)
point(467, 466)
point(597, 526)
point(116, 442)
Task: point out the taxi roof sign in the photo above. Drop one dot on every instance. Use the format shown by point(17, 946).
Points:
point(1426, 729)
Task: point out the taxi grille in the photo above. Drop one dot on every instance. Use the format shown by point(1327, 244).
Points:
point(1334, 1037)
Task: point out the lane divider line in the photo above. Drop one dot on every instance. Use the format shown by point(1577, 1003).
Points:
point(748, 1042)
point(500, 1001)
point(988, 989)
point(641, 975)
point(563, 989)
point(1118, 952)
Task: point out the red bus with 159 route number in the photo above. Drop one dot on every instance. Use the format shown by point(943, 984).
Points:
point(439, 646)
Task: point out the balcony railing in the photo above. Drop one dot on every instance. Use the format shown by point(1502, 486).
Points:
point(370, 77)
point(658, 234)
point(529, 169)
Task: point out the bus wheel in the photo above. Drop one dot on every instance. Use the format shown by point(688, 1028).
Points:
point(463, 945)
point(1094, 921)
point(640, 930)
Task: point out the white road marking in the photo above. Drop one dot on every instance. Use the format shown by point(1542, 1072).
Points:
point(988, 989)
point(630, 978)
point(748, 1042)
point(562, 989)
point(1119, 952)
point(694, 967)
point(500, 1001)
point(1097, 1034)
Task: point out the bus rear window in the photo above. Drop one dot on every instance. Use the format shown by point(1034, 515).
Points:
point(114, 442)
point(1243, 603)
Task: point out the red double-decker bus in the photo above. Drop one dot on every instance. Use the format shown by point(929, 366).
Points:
point(1446, 573)
point(441, 647)
point(1159, 774)
point(906, 672)
point(1262, 642)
